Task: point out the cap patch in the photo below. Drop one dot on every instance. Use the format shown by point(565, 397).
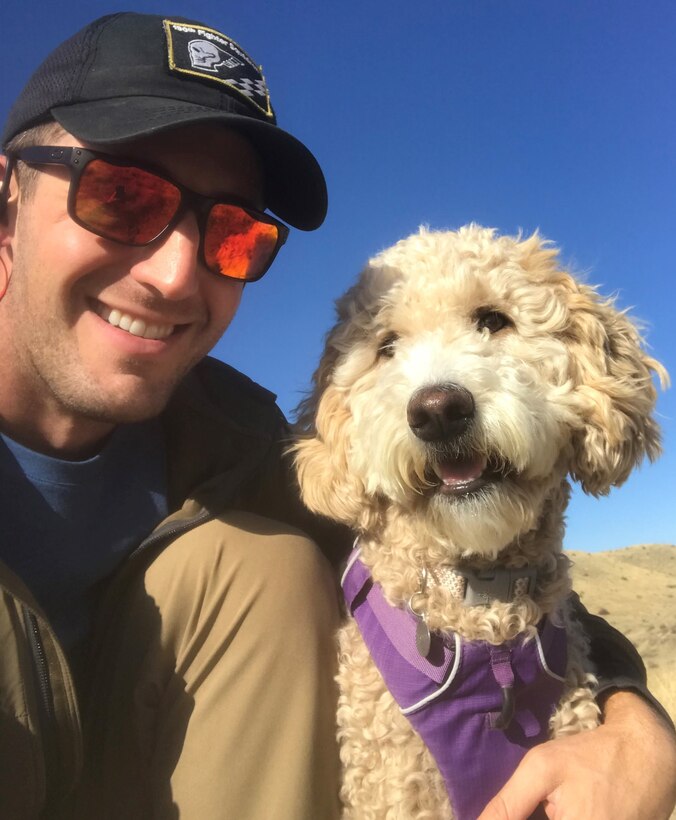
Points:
point(208, 54)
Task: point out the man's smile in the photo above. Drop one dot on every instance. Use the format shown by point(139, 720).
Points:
point(134, 324)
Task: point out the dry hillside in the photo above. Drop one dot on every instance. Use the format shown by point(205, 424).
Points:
point(635, 590)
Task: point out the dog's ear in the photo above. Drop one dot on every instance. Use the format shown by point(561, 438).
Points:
point(614, 391)
point(324, 421)
point(323, 424)
point(327, 485)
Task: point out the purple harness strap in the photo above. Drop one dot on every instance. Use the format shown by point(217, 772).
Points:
point(454, 697)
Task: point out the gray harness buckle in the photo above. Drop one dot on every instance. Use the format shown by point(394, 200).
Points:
point(487, 585)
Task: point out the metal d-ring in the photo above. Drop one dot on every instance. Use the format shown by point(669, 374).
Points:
point(423, 639)
point(419, 613)
point(421, 592)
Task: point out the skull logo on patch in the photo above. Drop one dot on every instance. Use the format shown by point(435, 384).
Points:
point(208, 56)
point(212, 57)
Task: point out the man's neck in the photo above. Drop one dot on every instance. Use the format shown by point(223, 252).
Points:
point(71, 443)
point(52, 432)
point(33, 417)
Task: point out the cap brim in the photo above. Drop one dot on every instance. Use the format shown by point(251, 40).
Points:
point(295, 185)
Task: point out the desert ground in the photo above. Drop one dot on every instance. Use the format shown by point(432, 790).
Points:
point(635, 590)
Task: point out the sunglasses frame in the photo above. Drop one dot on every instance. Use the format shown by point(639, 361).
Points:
point(76, 160)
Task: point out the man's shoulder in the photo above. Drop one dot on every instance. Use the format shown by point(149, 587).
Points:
point(221, 379)
point(216, 392)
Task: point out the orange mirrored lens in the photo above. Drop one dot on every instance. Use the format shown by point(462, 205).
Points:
point(238, 245)
point(123, 203)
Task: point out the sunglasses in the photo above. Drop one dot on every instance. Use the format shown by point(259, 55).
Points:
point(135, 204)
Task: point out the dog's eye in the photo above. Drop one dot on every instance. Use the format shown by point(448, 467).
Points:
point(492, 320)
point(386, 347)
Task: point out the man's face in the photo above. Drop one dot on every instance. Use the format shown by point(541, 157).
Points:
point(62, 352)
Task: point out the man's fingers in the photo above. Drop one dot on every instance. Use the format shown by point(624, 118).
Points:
point(525, 790)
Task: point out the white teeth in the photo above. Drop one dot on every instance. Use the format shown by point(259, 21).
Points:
point(137, 327)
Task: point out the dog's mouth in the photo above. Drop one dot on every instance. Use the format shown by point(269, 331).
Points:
point(463, 475)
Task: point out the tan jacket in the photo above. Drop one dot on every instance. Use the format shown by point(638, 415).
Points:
point(225, 439)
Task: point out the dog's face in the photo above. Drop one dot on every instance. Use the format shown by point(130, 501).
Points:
point(466, 378)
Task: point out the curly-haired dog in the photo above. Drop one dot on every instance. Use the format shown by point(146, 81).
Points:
point(466, 379)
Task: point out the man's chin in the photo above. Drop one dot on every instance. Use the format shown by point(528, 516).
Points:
point(125, 404)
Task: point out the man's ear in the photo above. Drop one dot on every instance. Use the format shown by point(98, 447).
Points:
point(8, 195)
point(5, 176)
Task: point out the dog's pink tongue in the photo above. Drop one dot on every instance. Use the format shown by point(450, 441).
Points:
point(460, 470)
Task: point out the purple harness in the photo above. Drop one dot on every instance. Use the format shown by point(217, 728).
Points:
point(455, 697)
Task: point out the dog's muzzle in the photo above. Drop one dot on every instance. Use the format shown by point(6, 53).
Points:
point(441, 416)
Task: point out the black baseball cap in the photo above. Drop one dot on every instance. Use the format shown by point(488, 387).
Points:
point(129, 75)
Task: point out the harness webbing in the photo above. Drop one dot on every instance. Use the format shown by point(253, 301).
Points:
point(455, 697)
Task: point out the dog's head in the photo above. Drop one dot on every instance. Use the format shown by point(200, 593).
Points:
point(466, 377)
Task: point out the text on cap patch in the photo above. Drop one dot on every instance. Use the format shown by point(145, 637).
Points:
point(208, 54)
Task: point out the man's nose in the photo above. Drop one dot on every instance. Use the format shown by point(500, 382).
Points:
point(170, 265)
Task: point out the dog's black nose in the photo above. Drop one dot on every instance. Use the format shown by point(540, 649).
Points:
point(441, 412)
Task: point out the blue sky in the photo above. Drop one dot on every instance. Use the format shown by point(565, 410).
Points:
point(518, 114)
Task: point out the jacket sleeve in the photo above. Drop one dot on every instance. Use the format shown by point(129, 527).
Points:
point(618, 664)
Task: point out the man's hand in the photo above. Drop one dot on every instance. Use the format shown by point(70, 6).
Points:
point(624, 770)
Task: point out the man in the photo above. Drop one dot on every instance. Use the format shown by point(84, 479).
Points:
point(167, 633)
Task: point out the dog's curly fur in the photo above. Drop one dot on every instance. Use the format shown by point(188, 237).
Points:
point(561, 387)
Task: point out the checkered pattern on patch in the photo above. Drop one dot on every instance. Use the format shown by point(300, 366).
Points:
point(250, 88)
